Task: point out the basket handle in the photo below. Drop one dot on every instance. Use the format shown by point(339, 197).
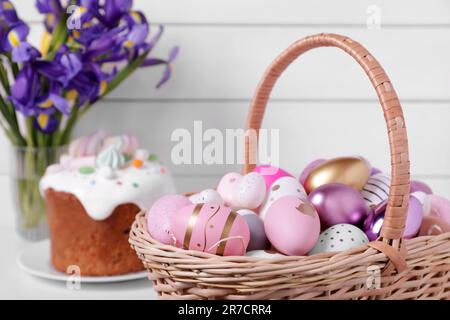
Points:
point(395, 216)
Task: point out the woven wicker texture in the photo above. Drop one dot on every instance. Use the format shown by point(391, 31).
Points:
point(388, 268)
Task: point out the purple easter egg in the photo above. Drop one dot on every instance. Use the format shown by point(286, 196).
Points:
point(338, 203)
point(374, 171)
point(420, 186)
point(310, 167)
point(374, 221)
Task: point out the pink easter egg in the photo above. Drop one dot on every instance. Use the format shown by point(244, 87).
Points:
point(211, 228)
point(159, 216)
point(310, 167)
point(271, 173)
point(285, 186)
point(227, 185)
point(438, 207)
point(77, 163)
point(292, 225)
point(249, 192)
point(420, 186)
point(206, 196)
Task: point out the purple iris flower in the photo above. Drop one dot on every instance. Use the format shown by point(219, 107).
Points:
point(45, 122)
point(14, 41)
point(53, 11)
point(8, 12)
point(137, 36)
point(168, 67)
point(114, 10)
point(24, 90)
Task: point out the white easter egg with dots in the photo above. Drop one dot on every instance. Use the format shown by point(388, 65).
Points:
point(250, 191)
point(339, 237)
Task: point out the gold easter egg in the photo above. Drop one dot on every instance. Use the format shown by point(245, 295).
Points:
point(351, 171)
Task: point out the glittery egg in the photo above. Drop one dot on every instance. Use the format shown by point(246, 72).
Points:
point(227, 185)
point(211, 228)
point(264, 254)
point(271, 174)
point(340, 237)
point(292, 225)
point(250, 191)
point(258, 238)
point(374, 221)
point(285, 186)
point(206, 196)
point(159, 216)
point(338, 203)
point(351, 171)
point(376, 189)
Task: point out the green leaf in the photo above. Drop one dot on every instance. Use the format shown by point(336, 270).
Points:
point(59, 37)
point(125, 73)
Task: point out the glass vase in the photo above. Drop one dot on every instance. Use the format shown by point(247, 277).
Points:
point(28, 167)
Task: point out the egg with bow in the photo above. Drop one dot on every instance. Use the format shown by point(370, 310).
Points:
point(292, 225)
point(211, 228)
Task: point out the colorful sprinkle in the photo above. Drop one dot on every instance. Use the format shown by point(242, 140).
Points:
point(119, 183)
point(163, 170)
point(153, 157)
point(137, 163)
point(135, 185)
point(86, 170)
point(92, 183)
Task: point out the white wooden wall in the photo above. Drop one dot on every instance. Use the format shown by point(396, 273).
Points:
point(324, 101)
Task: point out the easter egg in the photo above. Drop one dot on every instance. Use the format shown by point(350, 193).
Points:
point(227, 185)
point(339, 237)
point(292, 225)
point(438, 207)
point(159, 216)
point(264, 254)
point(376, 189)
point(250, 191)
point(271, 174)
point(206, 196)
point(374, 171)
point(420, 186)
point(286, 186)
point(338, 203)
point(374, 221)
point(211, 228)
point(258, 238)
point(311, 166)
point(351, 171)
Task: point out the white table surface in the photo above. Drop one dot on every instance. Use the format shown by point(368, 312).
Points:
point(17, 284)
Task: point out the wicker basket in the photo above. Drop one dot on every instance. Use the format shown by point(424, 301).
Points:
point(388, 268)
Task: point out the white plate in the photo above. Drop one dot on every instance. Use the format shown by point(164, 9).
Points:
point(35, 259)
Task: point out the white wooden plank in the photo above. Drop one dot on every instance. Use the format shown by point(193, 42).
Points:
point(281, 12)
point(307, 130)
point(319, 129)
point(218, 62)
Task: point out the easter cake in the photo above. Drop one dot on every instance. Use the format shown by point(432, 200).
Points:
point(92, 196)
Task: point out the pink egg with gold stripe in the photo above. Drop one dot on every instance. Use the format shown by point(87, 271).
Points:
point(211, 228)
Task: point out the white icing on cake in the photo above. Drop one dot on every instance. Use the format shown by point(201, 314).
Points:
point(100, 194)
